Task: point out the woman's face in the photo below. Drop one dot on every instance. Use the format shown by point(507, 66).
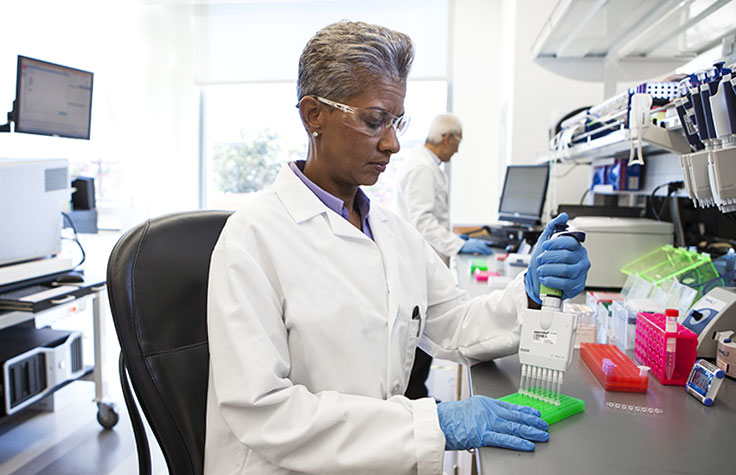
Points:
point(349, 158)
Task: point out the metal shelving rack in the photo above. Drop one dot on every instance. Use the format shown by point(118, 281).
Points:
point(107, 414)
point(612, 41)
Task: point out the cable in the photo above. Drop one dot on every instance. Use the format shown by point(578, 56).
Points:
point(664, 203)
point(651, 201)
point(676, 220)
point(582, 198)
point(75, 238)
point(672, 187)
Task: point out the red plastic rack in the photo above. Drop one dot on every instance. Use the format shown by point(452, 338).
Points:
point(613, 369)
point(651, 345)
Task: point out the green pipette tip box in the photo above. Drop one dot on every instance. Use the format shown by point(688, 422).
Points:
point(551, 413)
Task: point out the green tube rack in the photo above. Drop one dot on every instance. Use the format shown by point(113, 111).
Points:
point(478, 264)
point(551, 413)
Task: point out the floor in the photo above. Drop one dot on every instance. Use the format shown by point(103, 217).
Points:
point(69, 440)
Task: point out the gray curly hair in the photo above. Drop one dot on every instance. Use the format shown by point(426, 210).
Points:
point(343, 58)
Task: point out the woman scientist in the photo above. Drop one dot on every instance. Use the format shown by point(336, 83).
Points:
point(317, 300)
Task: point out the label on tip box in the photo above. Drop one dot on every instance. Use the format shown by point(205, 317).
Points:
point(544, 336)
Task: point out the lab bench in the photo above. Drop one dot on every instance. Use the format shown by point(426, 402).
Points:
point(679, 435)
point(662, 431)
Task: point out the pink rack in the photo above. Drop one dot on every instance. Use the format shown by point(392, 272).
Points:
point(651, 344)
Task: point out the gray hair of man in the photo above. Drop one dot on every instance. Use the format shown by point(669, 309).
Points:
point(343, 58)
point(442, 125)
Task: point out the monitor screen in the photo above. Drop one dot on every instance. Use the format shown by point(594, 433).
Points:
point(52, 100)
point(524, 191)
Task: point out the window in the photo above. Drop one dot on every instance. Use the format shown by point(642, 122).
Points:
point(251, 130)
point(250, 125)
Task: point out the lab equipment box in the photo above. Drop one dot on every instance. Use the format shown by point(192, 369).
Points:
point(624, 319)
point(592, 298)
point(36, 361)
point(601, 303)
point(585, 329)
point(613, 242)
point(624, 326)
point(516, 264)
point(651, 348)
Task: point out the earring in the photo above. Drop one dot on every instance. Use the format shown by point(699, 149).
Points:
point(315, 134)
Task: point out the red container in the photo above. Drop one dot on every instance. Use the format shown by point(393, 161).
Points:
point(651, 344)
point(613, 369)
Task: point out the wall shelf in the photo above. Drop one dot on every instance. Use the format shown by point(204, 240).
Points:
point(617, 143)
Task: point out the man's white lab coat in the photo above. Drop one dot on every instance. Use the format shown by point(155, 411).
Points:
point(312, 339)
point(422, 199)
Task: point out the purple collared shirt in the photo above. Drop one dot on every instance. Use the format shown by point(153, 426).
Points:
point(362, 201)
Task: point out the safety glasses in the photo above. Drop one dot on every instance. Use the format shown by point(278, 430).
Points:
point(371, 121)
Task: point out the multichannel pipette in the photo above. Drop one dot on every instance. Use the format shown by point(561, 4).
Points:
point(547, 341)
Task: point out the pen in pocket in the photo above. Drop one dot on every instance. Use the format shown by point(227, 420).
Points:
point(416, 316)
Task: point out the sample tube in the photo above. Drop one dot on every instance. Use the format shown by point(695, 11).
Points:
point(671, 348)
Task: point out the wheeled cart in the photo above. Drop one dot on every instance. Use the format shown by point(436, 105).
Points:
point(35, 362)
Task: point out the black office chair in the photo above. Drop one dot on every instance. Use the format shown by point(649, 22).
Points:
point(157, 285)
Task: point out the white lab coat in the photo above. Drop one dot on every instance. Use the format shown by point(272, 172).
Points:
point(422, 199)
point(312, 340)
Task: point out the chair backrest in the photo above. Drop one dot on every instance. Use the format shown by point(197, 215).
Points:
point(157, 284)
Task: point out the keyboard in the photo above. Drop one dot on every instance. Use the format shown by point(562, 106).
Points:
point(496, 241)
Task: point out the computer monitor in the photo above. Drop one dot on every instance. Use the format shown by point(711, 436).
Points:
point(51, 99)
point(524, 192)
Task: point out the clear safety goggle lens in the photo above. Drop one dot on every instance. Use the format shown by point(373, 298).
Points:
point(370, 121)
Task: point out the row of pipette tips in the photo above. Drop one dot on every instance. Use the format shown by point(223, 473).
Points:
point(541, 383)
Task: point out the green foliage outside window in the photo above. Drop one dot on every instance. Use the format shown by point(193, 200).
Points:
point(249, 165)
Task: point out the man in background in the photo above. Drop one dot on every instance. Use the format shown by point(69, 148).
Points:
point(422, 199)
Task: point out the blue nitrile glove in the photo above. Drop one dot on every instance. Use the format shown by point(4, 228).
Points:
point(480, 421)
point(476, 246)
point(561, 263)
point(464, 237)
